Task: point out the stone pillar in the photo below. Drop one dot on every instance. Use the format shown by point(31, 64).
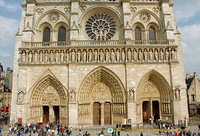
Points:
point(102, 114)
point(151, 112)
point(51, 114)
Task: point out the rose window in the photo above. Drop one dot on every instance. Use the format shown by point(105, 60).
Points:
point(100, 27)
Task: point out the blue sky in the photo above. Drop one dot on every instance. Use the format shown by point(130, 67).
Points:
point(187, 13)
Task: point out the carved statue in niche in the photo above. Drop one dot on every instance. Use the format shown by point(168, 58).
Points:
point(62, 56)
point(46, 57)
point(20, 97)
point(41, 56)
point(90, 55)
point(95, 55)
point(145, 55)
point(51, 56)
point(72, 96)
point(166, 54)
point(177, 94)
point(135, 55)
point(161, 55)
point(84, 56)
point(173, 55)
point(57, 56)
point(131, 95)
point(107, 56)
point(140, 55)
point(101, 58)
point(67, 56)
point(123, 55)
point(150, 55)
point(30, 56)
point(156, 54)
point(129, 57)
point(79, 55)
point(73, 56)
point(113, 58)
point(35, 56)
point(118, 55)
point(23, 56)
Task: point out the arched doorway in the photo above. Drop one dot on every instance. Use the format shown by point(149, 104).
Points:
point(48, 101)
point(101, 99)
point(153, 96)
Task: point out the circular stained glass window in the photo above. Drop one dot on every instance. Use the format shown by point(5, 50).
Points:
point(100, 27)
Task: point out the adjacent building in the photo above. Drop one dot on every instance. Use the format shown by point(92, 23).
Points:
point(193, 92)
point(98, 62)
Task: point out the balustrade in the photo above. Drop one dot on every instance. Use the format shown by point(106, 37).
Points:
point(98, 55)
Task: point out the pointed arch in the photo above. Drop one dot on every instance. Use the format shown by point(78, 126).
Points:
point(106, 76)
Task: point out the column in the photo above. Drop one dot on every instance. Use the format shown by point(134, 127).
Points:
point(51, 114)
point(102, 114)
point(151, 112)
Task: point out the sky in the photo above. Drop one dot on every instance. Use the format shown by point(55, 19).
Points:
point(187, 14)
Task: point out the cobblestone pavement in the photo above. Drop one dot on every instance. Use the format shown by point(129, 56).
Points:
point(95, 132)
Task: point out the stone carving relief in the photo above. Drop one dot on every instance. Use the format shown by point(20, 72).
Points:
point(149, 90)
point(156, 10)
point(27, 26)
point(131, 95)
point(50, 97)
point(128, 25)
point(133, 9)
point(39, 10)
point(20, 97)
point(145, 17)
point(53, 17)
point(101, 93)
point(72, 96)
point(119, 109)
point(83, 7)
point(74, 26)
point(67, 9)
point(84, 110)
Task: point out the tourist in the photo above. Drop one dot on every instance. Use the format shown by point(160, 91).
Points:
point(79, 134)
point(0, 131)
point(141, 134)
point(71, 131)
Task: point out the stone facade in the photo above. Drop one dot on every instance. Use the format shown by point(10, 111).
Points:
point(89, 63)
point(193, 92)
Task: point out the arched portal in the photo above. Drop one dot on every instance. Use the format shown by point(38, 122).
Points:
point(153, 97)
point(101, 98)
point(48, 101)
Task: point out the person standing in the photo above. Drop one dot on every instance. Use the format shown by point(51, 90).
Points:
point(0, 131)
point(141, 134)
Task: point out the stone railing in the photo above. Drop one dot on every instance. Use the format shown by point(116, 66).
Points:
point(80, 55)
point(99, 43)
point(100, 0)
point(146, 0)
point(43, 1)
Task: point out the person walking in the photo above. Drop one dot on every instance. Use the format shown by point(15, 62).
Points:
point(0, 131)
point(141, 134)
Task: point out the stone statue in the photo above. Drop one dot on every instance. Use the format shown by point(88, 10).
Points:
point(140, 55)
point(90, 56)
point(30, 56)
point(46, 57)
point(135, 55)
point(129, 55)
point(41, 56)
point(173, 55)
point(161, 55)
point(118, 55)
point(57, 56)
point(101, 55)
point(150, 55)
point(145, 55)
point(72, 96)
point(95, 56)
point(62, 56)
point(36, 57)
point(107, 56)
point(123, 55)
point(113, 58)
point(51, 56)
point(73, 56)
point(84, 56)
point(79, 56)
point(20, 97)
point(67, 56)
point(166, 55)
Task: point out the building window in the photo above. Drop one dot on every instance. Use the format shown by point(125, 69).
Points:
point(193, 98)
point(152, 34)
point(62, 34)
point(137, 34)
point(46, 35)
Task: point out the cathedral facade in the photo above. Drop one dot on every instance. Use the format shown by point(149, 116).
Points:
point(98, 62)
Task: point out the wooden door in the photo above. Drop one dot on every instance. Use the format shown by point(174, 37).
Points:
point(107, 113)
point(96, 114)
point(45, 114)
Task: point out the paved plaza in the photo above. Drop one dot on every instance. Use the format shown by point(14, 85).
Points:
point(96, 131)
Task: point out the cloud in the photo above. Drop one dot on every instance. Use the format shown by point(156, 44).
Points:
point(8, 29)
point(190, 37)
point(9, 6)
point(186, 9)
